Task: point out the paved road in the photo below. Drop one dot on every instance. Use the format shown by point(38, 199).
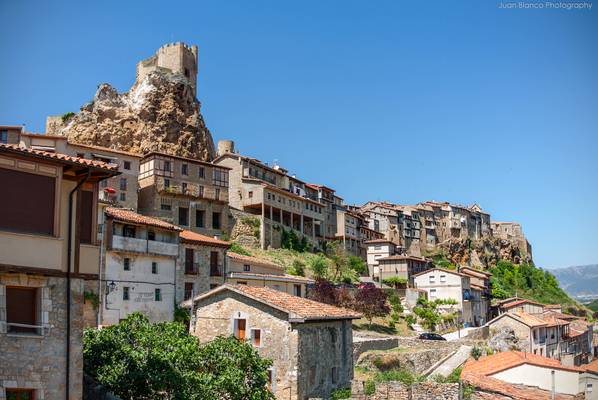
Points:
point(452, 362)
point(455, 335)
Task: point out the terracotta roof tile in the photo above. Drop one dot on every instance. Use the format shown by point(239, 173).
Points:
point(123, 215)
point(374, 241)
point(592, 367)
point(11, 148)
point(448, 271)
point(196, 238)
point(528, 319)
point(281, 277)
point(498, 362)
point(252, 260)
point(298, 308)
point(518, 302)
point(401, 257)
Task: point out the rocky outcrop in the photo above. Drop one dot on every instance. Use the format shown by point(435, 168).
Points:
point(159, 113)
point(484, 252)
point(504, 339)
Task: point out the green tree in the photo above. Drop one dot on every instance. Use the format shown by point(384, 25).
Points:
point(318, 266)
point(139, 360)
point(358, 265)
point(395, 282)
point(429, 313)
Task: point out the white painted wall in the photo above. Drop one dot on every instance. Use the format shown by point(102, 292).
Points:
point(142, 284)
point(566, 382)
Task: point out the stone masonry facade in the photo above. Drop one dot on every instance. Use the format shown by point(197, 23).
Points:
point(398, 391)
point(37, 361)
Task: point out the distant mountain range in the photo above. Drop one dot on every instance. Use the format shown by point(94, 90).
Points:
point(578, 281)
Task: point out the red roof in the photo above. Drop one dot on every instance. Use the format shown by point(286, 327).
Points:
point(522, 301)
point(401, 257)
point(132, 217)
point(63, 158)
point(524, 318)
point(275, 277)
point(299, 309)
point(592, 367)
point(196, 238)
point(498, 362)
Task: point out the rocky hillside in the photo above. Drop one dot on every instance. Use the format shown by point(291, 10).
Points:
point(484, 252)
point(159, 113)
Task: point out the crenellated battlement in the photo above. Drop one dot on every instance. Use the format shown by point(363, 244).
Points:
point(176, 57)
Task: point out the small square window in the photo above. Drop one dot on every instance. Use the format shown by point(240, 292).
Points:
point(125, 293)
point(256, 337)
point(157, 295)
point(246, 268)
point(127, 165)
point(154, 267)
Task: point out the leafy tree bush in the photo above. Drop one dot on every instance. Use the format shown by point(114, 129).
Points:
point(237, 248)
point(139, 360)
point(340, 267)
point(476, 352)
point(402, 375)
point(371, 302)
point(341, 394)
point(297, 268)
point(358, 265)
point(318, 266)
point(395, 282)
point(323, 291)
point(428, 311)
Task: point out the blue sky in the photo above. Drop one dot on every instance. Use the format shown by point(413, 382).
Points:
point(386, 100)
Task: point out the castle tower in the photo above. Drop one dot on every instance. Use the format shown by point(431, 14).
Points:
point(175, 58)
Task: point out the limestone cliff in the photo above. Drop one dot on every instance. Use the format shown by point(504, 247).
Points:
point(484, 252)
point(159, 113)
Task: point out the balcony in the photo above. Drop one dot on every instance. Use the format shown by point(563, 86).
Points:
point(191, 268)
point(144, 246)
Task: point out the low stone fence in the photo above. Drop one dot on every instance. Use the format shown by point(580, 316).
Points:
point(417, 391)
point(363, 344)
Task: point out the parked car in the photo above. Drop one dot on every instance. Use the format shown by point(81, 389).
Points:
point(430, 336)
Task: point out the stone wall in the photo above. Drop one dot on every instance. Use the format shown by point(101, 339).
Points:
point(90, 310)
point(398, 391)
point(37, 360)
point(241, 231)
point(201, 280)
point(363, 344)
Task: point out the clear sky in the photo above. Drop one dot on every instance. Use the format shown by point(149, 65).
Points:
point(383, 100)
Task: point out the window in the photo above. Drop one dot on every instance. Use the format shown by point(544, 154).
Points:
point(4, 136)
point(183, 216)
point(239, 328)
point(297, 290)
point(214, 264)
point(246, 268)
point(81, 155)
point(188, 290)
point(127, 165)
point(216, 220)
point(199, 218)
point(312, 375)
point(166, 183)
point(157, 295)
point(256, 337)
point(333, 375)
point(184, 187)
point(189, 265)
point(589, 388)
point(125, 293)
point(432, 279)
point(19, 394)
point(442, 278)
point(129, 231)
point(154, 267)
point(217, 194)
point(123, 196)
point(220, 177)
point(20, 208)
point(167, 166)
point(250, 194)
point(184, 169)
point(432, 293)
point(200, 191)
point(127, 264)
point(86, 216)
point(21, 308)
point(151, 235)
point(202, 172)
point(123, 183)
point(165, 207)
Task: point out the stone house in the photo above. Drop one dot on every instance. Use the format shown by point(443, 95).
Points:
point(400, 266)
point(200, 265)
point(481, 293)
point(277, 199)
point(48, 254)
point(377, 249)
point(186, 192)
point(520, 305)
point(309, 343)
point(384, 217)
point(349, 231)
point(447, 284)
point(253, 271)
point(332, 202)
point(526, 376)
point(138, 268)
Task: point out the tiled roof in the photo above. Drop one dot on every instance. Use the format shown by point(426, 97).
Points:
point(448, 271)
point(578, 327)
point(592, 367)
point(560, 315)
point(11, 148)
point(298, 308)
point(474, 272)
point(374, 241)
point(252, 260)
point(552, 320)
point(495, 389)
point(553, 306)
point(524, 318)
point(498, 362)
point(522, 301)
point(132, 217)
point(279, 277)
point(196, 238)
point(477, 287)
point(401, 257)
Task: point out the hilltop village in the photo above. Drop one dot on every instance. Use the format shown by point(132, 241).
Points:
point(128, 207)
